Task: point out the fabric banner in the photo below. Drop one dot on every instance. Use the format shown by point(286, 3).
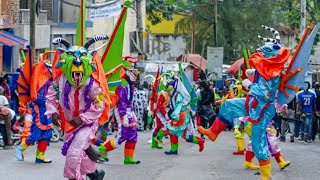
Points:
point(105, 12)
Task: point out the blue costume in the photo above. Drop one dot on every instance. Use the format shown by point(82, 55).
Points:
point(263, 82)
point(37, 126)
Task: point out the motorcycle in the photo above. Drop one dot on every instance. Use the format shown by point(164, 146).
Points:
point(15, 135)
point(56, 134)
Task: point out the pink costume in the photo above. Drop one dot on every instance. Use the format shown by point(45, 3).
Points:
point(272, 140)
point(76, 102)
point(274, 149)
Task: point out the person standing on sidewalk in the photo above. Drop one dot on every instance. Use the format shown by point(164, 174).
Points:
point(307, 106)
point(317, 115)
point(288, 121)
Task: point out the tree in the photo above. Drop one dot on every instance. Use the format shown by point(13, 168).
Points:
point(158, 10)
point(239, 21)
point(291, 10)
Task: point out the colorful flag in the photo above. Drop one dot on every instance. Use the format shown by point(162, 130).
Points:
point(190, 88)
point(112, 56)
point(81, 27)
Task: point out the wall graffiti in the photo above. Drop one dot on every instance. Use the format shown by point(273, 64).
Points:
point(165, 48)
point(159, 47)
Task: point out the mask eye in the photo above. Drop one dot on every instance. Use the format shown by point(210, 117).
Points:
point(70, 53)
point(268, 49)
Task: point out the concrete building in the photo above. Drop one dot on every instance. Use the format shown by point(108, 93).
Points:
point(66, 25)
point(10, 40)
point(58, 19)
point(165, 46)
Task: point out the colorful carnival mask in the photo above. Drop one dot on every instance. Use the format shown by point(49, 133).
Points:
point(271, 46)
point(236, 90)
point(132, 74)
point(172, 82)
point(76, 62)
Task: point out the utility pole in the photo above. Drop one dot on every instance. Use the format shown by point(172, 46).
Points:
point(139, 25)
point(33, 24)
point(202, 54)
point(215, 25)
point(139, 36)
point(193, 41)
point(303, 16)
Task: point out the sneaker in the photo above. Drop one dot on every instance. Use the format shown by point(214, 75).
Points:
point(6, 147)
point(283, 139)
point(97, 175)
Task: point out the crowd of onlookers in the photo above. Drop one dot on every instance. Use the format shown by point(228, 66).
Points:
point(7, 114)
point(301, 118)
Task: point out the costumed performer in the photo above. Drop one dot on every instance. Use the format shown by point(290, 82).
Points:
point(180, 123)
point(79, 97)
point(268, 64)
point(273, 147)
point(126, 120)
point(37, 127)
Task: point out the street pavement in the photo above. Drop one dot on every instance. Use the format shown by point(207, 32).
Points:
point(215, 162)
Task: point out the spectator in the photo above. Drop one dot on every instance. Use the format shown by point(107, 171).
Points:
point(140, 103)
point(306, 106)
point(206, 104)
point(145, 112)
point(288, 121)
point(317, 117)
point(4, 83)
point(6, 116)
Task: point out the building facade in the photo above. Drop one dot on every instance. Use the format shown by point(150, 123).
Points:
point(58, 19)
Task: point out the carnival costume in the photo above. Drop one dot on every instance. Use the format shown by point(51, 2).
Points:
point(158, 103)
point(273, 147)
point(161, 110)
point(140, 103)
point(126, 119)
point(180, 124)
point(37, 126)
point(235, 91)
point(79, 97)
point(268, 64)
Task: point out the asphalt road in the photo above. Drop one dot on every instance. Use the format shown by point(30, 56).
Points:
point(215, 162)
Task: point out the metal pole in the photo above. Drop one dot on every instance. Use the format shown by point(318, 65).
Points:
point(139, 25)
point(193, 41)
point(303, 17)
point(202, 53)
point(215, 26)
point(33, 23)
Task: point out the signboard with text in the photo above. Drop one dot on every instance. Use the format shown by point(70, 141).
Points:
point(106, 12)
point(215, 61)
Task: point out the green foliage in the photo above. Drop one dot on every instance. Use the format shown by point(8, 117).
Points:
point(292, 14)
point(158, 10)
point(239, 21)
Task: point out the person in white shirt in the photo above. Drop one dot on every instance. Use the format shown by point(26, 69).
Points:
point(6, 115)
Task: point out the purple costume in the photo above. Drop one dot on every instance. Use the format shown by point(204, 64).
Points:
point(125, 116)
point(127, 122)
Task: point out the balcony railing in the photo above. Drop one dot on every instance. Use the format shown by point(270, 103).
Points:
point(24, 17)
